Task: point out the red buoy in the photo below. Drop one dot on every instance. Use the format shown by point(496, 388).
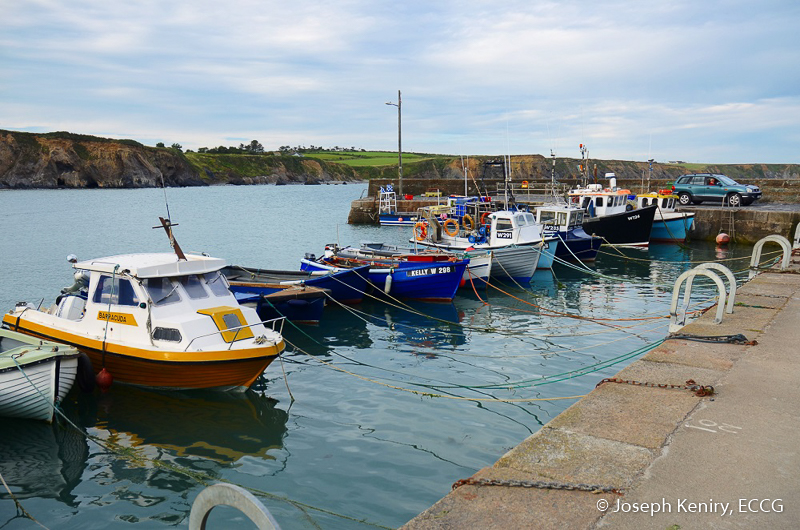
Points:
point(723, 238)
point(104, 380)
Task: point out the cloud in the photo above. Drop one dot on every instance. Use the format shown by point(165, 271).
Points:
point(476, 76)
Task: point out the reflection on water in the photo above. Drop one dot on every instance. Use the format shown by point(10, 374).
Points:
point(41, 460)
point(218, 426)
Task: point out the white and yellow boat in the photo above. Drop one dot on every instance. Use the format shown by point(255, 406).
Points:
point(158, 320)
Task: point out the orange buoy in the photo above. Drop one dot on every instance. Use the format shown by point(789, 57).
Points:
point(104, 380)
point(723, 238)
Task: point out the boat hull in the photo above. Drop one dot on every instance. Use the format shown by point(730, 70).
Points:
point(515, 263)
point(229, 370)
point(294, 306)
point(35, 379)
point(346, 286)
point(436, 281)
point(626, 229)
point(576, 245)
point(397, 219)
point(672, 227)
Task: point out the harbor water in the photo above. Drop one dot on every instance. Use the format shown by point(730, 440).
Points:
point(369, 417)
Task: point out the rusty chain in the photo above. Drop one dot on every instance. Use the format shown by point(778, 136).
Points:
point(540, 484)
point(691, 385)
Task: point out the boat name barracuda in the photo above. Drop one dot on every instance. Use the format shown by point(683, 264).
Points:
point(118, 318)
point(434, 270)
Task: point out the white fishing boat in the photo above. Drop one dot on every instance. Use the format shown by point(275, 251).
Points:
point(164, 320)
point(35, 375)
point(517, 242)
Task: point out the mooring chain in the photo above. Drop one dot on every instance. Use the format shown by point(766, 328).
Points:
point(540, 484)
point(691, 385)
point(722, 339)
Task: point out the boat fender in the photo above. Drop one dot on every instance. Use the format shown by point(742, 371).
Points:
point(387, 286)
point(85, 375)
point(104, 380)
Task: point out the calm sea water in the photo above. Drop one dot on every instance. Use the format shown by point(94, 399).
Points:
point(391, 404)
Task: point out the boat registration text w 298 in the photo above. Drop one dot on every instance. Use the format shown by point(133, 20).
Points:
point(433, 270)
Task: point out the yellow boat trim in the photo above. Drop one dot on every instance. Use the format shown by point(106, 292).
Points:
point(218, 315)
point(82, 341)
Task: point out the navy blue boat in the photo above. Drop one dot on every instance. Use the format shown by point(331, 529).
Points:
point(345, 287)
point(299, 304)
point(565, 222)
point(418, 278)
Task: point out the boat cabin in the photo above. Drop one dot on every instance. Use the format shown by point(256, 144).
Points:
point(139, 298)
point(664, 199)
point(600, 202)
point(559, 218)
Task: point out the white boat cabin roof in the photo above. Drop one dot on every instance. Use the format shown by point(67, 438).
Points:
point(153, 265)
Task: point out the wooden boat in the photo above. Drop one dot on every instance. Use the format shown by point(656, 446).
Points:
point(158, 320)
point(344, 287)
point(35, 375)
point(417, 277)
point(610, 215)
point(477, 273)
point(669, 225)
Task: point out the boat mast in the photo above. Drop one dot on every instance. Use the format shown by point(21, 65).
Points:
point(584, 165)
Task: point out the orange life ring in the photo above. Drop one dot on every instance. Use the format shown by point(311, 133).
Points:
point(467, 222)
point(524, 183)
point(451, 227)
point(575, 199)
point(484, 216)
point(421, 230)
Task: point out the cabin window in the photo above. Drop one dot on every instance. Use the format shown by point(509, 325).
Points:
point(162, 291)
point(586, 202)
point(530, 218)
point(217, 283)
point(169, 334)
point(545, 216)
point(576, 218)
point(503, 224)
point(232, 320)
point(116, 291)
point(598, 201)
point(562, 218)
point(645, 202)
point(193, 287)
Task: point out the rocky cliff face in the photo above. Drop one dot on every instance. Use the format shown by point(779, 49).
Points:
point(40, 161)
point(65, 160)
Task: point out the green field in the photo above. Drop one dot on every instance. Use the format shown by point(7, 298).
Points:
point(368, 158)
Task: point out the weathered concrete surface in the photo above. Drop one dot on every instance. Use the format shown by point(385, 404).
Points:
point(662, 446)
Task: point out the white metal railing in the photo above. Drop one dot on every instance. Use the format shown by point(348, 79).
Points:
point(756, 256)
point(274, 322)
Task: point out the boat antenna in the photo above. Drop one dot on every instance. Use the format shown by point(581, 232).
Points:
point(167, 225)
point(166, 202)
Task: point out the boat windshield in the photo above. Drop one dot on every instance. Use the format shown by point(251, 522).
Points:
point(546, 215)
point(193, 286)
point(162, 291)
point(217, 283)
point(115, 291)
point(576, 218)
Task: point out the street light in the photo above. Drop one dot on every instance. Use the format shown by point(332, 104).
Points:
point(399, 106)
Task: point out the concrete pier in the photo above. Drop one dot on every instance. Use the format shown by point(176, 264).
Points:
point(729, 460)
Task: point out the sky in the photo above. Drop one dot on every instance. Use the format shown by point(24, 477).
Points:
point(712, 81)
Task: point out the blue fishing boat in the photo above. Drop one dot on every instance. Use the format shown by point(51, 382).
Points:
point(347, 286)
point(417, 277)
point(301, 304)
point(565, 222)
point(669, 225)
point(387, 210)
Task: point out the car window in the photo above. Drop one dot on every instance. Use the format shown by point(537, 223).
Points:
point(699, 181)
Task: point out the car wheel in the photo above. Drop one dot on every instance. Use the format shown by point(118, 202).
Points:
point(684, 198)
point(734, 200)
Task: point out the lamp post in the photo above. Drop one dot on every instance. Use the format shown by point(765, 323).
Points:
point(399, 106)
